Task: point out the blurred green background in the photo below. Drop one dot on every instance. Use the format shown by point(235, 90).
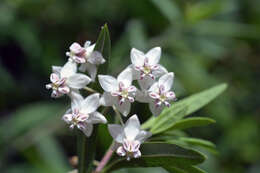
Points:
point(205, 42)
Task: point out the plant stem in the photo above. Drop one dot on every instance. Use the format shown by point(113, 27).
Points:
point(86, 151)
point(110, 151)
point(118, 115)
point(90, 90)
point(81, 149)
point(105, 159)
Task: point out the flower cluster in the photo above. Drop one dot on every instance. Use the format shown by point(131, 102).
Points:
point(154, 81)
point(145, 69)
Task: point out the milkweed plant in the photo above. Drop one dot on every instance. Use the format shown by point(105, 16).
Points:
point(160, 141)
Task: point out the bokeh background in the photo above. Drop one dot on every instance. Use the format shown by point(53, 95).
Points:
point(205, 42)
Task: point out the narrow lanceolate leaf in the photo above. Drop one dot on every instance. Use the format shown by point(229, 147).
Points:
point(160, 155)
point(200, 142)
point(28, 119)
point(188, 123)
point(103, 45)
point(183, 169)
point(183, 108)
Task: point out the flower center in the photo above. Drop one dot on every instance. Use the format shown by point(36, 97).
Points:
point(78, 117)
point(55, 86)
point(124, 93)
point(146, 69)
point(163, 97)
point(75, 120)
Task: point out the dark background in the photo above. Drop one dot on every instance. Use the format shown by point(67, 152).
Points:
point(205, 42)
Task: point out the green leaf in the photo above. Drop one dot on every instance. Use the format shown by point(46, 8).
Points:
point(183, 169)
point(28, 118)
point(200, 142)
point(46, 156)
point(182, 108)
point(191, 122)
point(137, 35)
point(103, 45)
point(169, 9)
point(160, 155)
point(86, 147)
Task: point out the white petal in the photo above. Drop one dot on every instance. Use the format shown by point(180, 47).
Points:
point(120, 151)
point(146, 82)
point(155, 110)
point(78, 81)
point(48, 86)
point(143, 135)
point(88, 129)
point(91, 68)
point(117, 132)
point(97, 117)
point(56, 69)
point(154, 55)
point(108, 83)
point(56, 94)
point(83, 67)
point(159, 71)
point(125, 77)
point(137, 57)
point(154, 88)
point(142, 96)
point(166, 81)
point(137, 154)
point(170, 95)
point(124, 108)
point(67, 118)
point(90, 104)
point(54, 77)
point(89, 48)
point(75, 48)
point(132, 127)
point(136, 74)
point(107, 99)
point(76, 99)
point(64, 89)
point(68, 69)
point(96, 58)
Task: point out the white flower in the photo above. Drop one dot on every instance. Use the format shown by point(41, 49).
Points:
point(146, 65)
point(160, 93)
point(119, 92)
point(87, 57)
point(83, 113)
point(129, 137)
point(65, 79)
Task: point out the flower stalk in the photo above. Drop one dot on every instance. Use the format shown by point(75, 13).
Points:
point(86, 150)
point(105, 159)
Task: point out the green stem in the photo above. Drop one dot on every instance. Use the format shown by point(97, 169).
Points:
point(86, 151)
point(118, 115)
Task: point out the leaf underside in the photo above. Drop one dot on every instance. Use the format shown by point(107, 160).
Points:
point(160, 155)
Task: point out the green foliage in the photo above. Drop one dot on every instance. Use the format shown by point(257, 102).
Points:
point(103, 45)
point(28, 120)
point(204, 42)
point(161, 155)
point(42, 119)
point(183, 169)
point(168, 118)
point(191, 122)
